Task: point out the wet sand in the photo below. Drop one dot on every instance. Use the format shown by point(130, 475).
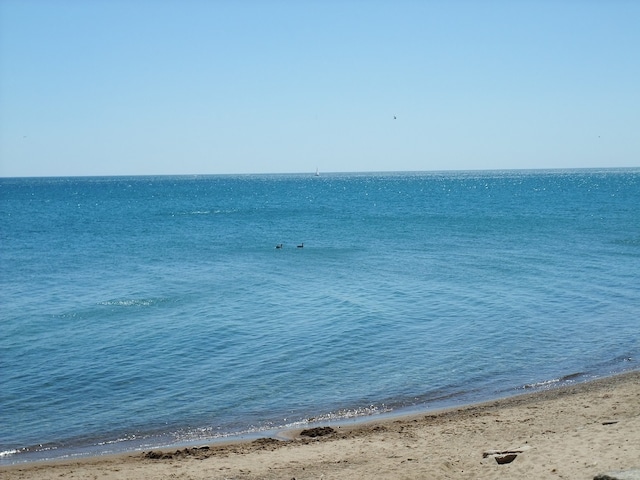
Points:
point(573, 432)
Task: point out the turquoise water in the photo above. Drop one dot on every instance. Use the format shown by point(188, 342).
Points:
point(146, 311)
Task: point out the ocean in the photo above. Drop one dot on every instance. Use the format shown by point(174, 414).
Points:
point(146, 311)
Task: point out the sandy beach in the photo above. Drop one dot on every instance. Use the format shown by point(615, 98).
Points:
point(573, 432)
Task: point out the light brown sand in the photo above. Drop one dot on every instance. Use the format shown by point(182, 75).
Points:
point(574, 432)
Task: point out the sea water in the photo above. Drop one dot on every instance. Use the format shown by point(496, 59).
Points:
point(147, 311)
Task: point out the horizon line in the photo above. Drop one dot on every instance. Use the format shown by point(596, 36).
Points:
point(331, 173)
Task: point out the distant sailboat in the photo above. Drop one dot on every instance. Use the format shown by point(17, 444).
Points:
point(317, 172)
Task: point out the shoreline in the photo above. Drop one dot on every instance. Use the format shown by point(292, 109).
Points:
point(454, 402)
point(572, 431)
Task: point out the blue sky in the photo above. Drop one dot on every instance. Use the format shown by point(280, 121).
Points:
point(206, 87)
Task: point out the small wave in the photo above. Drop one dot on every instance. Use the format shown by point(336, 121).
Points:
point(7, 455)
point(347, 414)
point(569, 378)
point(632, 242)
point(199, 212)
point(543, 384)
point(127, 438)
point(621, 359)
point(202, 212)
point(133, 302)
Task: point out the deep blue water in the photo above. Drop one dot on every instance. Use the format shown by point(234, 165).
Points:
point(145, 311)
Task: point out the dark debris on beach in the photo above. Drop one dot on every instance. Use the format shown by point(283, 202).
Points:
point(206, 451)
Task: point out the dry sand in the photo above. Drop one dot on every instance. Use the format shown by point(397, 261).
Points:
point(573, 432)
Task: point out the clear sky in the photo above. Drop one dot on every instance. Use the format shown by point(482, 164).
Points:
point(115, 87)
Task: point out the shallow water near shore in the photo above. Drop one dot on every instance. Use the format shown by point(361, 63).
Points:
point(147, 311)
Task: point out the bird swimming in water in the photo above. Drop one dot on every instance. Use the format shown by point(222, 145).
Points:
point(301, 245)
point(279, 246)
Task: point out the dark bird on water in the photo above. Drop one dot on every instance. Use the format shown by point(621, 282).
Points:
point(279, 245)
point(301, 245)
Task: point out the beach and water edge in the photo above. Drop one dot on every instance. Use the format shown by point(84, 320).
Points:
point(573, 431)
